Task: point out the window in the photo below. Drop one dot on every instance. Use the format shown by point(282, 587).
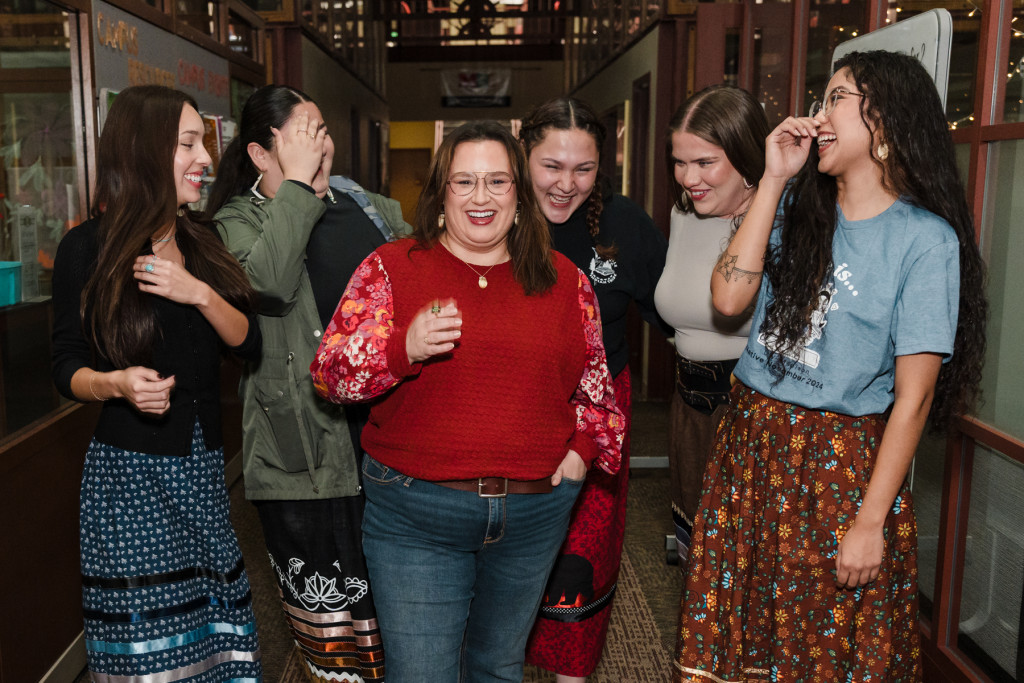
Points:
point(202, 15)
point(828, 25)
point(1002, 245)
point(38, 168)
point(41, 198)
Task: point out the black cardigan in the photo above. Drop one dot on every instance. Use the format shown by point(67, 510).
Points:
point(187, 347)
point(633, 275)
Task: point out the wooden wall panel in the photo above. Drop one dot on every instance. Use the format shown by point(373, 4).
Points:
point(41, 601)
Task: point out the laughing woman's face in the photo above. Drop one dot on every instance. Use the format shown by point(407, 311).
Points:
point(563, 167)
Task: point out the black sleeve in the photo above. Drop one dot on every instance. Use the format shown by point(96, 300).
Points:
point(252, 345)
point(76, 254)
point(651, 245)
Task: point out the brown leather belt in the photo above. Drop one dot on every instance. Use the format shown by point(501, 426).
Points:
point(704, 385)
point(498, 487)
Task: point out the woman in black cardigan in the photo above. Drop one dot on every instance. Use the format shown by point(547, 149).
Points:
point(145, 296)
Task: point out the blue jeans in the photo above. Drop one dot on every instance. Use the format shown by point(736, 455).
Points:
point(457, 579)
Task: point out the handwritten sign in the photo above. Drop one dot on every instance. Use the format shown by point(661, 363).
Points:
point(927, 36)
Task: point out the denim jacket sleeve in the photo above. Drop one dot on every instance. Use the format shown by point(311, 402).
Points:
point(391, 211)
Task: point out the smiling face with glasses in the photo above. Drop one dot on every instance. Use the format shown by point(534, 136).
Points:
point(495, 182)
point(480, 204)
point(831, 100)
point(845, 142)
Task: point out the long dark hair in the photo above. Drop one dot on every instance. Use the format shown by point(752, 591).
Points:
point(568, 113)
point(268, 107)
point(136, 194)
point(529, 242)
point(903, 105)
point(726, 117)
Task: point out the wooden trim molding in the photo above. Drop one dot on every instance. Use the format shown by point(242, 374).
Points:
point(1008, 445)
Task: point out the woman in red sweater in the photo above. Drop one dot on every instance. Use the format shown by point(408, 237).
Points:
point(482, 351)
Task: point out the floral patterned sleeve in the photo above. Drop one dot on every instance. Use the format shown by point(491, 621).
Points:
point(600, 425)
point(362, 355)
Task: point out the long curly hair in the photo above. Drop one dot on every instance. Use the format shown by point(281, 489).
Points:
point(727, 117)
point(528, 240)
point(902, 105)
point(568, 113)
point(136, 195)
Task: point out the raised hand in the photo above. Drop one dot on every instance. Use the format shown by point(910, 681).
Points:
point(300, 147)
point(166, 278)
point(433, 331)
point(787, 147)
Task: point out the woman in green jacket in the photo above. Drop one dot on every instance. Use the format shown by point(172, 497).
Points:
point(299, 234)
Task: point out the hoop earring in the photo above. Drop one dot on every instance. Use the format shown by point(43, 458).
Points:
point(882, 151)
point(256, 185)
point(747, 184)
point(440, 220)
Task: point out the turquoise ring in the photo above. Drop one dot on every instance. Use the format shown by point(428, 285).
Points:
point(149, 267)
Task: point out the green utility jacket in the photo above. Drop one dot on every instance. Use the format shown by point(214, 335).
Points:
point(296, 446)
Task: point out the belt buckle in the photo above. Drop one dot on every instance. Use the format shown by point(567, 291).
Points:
point(480, 490)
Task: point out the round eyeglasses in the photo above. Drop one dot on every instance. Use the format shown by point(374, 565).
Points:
point(496, 182)
point(831, 99)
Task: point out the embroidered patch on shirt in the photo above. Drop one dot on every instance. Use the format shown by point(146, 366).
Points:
point(602, 271)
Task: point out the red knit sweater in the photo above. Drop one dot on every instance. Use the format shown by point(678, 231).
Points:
point(526, 382)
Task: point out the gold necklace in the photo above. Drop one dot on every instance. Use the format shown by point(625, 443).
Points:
point(482, 282)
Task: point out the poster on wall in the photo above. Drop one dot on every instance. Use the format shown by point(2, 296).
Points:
point(129, 51)
point(213, 140)
point(476, 87)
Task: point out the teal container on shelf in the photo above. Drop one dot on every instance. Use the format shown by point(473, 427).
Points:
point(10, 282)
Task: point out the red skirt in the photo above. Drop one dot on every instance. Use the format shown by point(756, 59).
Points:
point(570, 631)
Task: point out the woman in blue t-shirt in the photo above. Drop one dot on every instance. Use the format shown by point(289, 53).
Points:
point(869, 319)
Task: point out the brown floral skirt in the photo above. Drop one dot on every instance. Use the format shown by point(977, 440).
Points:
point(781, 487)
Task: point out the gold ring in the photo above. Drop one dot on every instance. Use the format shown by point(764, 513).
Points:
point(312, 136)
point(426, 340)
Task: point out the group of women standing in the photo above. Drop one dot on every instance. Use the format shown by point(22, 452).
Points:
point(845, 307)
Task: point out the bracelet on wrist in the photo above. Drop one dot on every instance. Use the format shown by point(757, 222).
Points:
point(92, 389)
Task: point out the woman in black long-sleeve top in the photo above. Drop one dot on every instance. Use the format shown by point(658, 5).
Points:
point(145, 296)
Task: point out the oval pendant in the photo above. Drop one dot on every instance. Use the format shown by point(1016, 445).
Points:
point(482, 282)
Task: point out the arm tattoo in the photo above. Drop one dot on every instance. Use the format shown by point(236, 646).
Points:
point(727, 267)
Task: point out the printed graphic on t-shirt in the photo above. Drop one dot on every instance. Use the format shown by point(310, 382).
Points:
point(819, 318)
point(602, 271)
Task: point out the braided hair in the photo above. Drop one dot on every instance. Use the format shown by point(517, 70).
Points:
point(568, 113)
